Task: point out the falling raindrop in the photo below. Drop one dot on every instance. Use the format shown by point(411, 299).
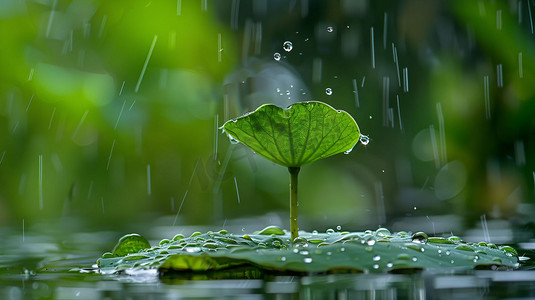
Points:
point(364, 139)
point(328, 91)
point(287, 46)
point(277, 56)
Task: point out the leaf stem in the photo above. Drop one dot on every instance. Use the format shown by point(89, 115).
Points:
point(294, 172)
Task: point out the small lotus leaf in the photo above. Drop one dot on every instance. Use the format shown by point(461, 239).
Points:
point(296, 136)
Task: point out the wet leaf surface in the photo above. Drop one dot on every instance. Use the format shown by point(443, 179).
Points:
point(330, 252)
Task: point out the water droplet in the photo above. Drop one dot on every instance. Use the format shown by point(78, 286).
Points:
point(349, 151)
point(338, 227)
point(287, 46)
point(329, 253)
point(455, 239)
point(193, 249)
point(330, 231)
point(342, 249)
point(232, 139)
point(330, 29)
point(448, 252)
point(452, 261)
point(277, 56)
point(370, 242)
point(377, 258)
point(328, 91)
point(364, 139)
point(390, 265)
point(314, 232)
point(419, 237)
point(376, 266)
point(307, 260)
point(283, 258)
point(382, 232)
point(439, 252)
point(287, 93)
point(371, 117)
point(300, 242)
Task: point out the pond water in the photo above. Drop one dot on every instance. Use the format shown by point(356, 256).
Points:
point(50, 262)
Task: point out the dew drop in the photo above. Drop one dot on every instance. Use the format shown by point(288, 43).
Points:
point(283, 258)
point(328, 91)
point(376, 266)
point(448, 252)
point(287, 46)
point(330, 231)
point(370, 242)
point(338, 227)
point(314, 232)
point(277, 56)
point(307, 260)
point(414, 259)
point(330, 29)
point(364, 139)
point(377, 258)
point(304, 252)
point(389, 265)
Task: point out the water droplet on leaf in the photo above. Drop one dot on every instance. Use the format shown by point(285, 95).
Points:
point(330, 29)
point(277, 56)
point(328, 91)
point(419, 237)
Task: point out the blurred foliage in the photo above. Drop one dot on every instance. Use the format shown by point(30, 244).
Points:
point(120, 101)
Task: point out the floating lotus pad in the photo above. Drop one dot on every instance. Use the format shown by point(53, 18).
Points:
point(330, 252)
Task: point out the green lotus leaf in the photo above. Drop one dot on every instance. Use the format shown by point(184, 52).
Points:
point(296, 136)
point(370, 251)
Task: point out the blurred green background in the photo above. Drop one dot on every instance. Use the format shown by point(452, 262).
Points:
point(109, 110)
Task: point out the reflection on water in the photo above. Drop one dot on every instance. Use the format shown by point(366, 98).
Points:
point(50, 264)
point(147, 285)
